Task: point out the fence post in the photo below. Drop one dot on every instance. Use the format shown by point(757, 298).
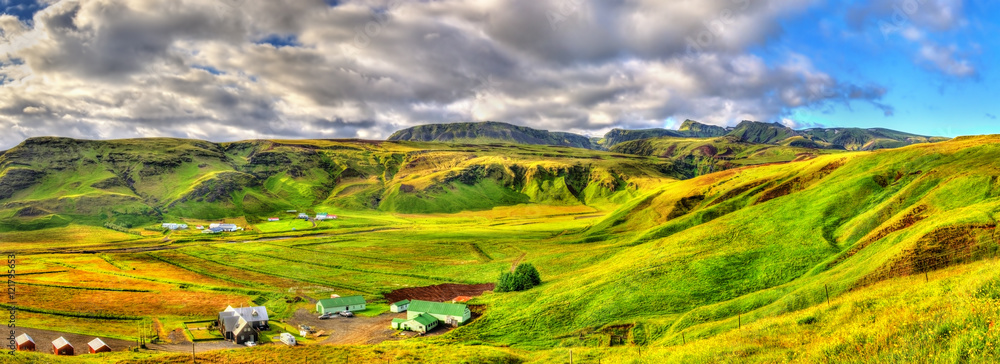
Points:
point(827, 287)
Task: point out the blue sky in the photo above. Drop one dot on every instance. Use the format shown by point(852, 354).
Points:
point(925, 99)
point(239, 69)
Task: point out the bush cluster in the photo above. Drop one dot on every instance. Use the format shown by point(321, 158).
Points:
point(523, 278)
point(119, 228)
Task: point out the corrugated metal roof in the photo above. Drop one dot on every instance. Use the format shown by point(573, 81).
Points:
point(61, 342)
point(97, 343)
point(425, 319)
point(234, 318)
point(252, 313)
point(342, 301)
point(401, 303)
point(23, 338)
point(439, 308)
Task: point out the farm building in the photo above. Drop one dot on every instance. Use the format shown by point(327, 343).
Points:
point(62, 347)
point(223, 227)
point(351, 303)
point(303, 216)
point(98, 346)
point(242, 324)
point(291, 211)
point(173, 226)
point(461, 299)
point(450, 313)
point(399, 306)
point(273, 219)
point(421, 323)
point(25, 343)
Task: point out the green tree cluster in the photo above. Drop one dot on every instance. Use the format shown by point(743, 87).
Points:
point(524, 277)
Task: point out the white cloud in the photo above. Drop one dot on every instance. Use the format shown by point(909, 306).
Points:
point(187, 68)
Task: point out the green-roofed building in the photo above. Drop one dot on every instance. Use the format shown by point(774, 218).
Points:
point(334, 305)
point(420, 323)
point(399, 306)
point(450, 313)
point(397, 323)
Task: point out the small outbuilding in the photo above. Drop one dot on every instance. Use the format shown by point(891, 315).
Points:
point(334, 305)
point(420, 323)
point(273, 219)
point(303, 216)
point(98, 346)
point(174, 226)
point(62, 347)
point(461, 299)
point(399, 306)
point(25, 343)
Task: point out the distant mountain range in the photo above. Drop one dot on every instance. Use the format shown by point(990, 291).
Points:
point(490, 132)
point(747, 132)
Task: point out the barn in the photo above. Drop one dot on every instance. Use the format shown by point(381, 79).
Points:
point(420, 323)
point(450, 313)
point(98, 346)
point(25, 343)
point(399, 306)
point(62, 347)
point(351, 303)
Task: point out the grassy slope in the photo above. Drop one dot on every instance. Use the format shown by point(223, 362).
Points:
point(694, 259)
point(139, 182)
point(697, 156)
point(828, 226)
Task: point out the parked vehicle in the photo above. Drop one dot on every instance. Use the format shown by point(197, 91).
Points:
point(326, 316)
point(251, 343)
point(288, 339)
point(347, 314)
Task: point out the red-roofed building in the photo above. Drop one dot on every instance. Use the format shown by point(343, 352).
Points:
point(25, 343)
point(461, 299)
point(98, 346)
point(62, 347)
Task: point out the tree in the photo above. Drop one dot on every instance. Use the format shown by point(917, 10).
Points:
point(524, 277)
point(528, 271)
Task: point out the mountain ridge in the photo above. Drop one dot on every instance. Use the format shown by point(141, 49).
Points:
point(746, 131)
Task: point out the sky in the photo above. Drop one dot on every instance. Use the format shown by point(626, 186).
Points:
point(226, 70)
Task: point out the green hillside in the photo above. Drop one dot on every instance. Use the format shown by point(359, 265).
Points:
point(47, 182)
point(695, 157)
point(841, 256)
point(693, 256)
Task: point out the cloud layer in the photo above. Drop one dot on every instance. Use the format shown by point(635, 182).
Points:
point(240, 69)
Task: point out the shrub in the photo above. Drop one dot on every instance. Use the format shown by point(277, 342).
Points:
point(523, 278)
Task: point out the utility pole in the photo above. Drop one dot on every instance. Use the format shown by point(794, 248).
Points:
point(193, 360)
point(739, 321)
point(570, 356)
point(827, 287)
